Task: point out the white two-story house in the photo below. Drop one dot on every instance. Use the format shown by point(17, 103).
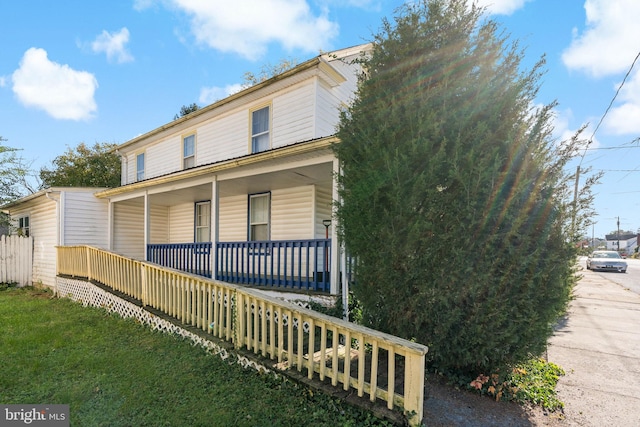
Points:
point(242, 190)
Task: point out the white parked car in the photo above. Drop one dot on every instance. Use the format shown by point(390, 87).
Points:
point(606, 261)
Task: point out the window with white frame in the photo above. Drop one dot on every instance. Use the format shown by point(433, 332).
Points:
point(24, 226)
point(189, 151)
point(259, 216)
point(260, 140)
point(203, 222)
point(140, 167)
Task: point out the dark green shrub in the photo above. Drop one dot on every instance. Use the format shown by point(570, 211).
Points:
point(454, 199)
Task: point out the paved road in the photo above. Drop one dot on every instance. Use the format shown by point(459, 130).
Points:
point(630, 280)
point(598, 345)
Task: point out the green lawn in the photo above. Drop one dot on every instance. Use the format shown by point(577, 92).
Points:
point(115, 372)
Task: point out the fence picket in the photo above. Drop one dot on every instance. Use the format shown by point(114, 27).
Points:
point(16, 260)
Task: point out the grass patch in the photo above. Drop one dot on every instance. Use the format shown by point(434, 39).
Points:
point(116, 372)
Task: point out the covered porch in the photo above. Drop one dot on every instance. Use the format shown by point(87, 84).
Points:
point(262, 220)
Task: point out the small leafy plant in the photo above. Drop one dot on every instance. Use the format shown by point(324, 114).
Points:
point(533, 381)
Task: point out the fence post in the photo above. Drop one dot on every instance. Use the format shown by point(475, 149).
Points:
point(88, 255)
point(145, 282)
point(414, 387)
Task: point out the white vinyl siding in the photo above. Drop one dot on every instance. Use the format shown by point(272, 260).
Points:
point(164, 157)
point(42, 214)
point(159, 224)
point(327, 113)
point(181, 229)
point(301, 108)
point(128, 228)
point(293, 116)
point(292, 213)
point(84, 220)
point(232, 226)
point(44, 232)
point(224, 138)
point(72, 217)
point(323, 207)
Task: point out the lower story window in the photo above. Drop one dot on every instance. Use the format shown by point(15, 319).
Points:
point(203, 222)
point(24, 226)
point(259, 215)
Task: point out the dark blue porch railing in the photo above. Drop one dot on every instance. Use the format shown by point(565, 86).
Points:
point(288, 264)
point(292, 264)
point(190, 257)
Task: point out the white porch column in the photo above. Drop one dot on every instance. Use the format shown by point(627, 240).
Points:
point(110, 227)
point(335, 246)
point(215, 209)
point(147, 223)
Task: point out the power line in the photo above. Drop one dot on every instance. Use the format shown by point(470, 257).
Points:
point(610, 104)
point(612, 148)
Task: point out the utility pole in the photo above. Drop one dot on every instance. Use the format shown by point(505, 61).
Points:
point(618, 234)
point(575, 204)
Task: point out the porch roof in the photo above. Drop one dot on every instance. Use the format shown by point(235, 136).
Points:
point(13, 204)
point(301, 148)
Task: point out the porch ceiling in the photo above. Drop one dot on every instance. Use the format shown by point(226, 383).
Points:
point(231, 186)
point(314, 174)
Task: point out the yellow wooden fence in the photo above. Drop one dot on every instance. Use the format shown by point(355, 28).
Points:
point(349, 355)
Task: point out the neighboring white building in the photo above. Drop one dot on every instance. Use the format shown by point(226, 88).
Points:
point(58, 216)
point(625, 243)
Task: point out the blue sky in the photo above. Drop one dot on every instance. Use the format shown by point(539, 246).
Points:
point(106, 71)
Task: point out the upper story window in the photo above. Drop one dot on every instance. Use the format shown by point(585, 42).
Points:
point(203, 222)
point(259, 215)
point(189, 151)
point(260, 123)
point(24, 226)
point(140, 167)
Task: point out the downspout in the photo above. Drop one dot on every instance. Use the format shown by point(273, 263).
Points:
point(59, 206)
point(59, 234)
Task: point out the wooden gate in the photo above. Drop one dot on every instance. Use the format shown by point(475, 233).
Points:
point(16, 260)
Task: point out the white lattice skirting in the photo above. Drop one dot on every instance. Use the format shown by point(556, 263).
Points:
point(90, 295)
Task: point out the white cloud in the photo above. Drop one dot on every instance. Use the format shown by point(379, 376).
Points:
point(209, 95)
point(114, 45)
point(60, 91)
point(625, 119)
point(501, 7)
point(610, 40)
point(3, 81)
point(142, 4)
point(247, 27)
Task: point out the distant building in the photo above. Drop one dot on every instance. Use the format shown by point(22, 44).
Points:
point(626, 243)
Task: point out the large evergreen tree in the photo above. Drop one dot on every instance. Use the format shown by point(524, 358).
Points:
point(454, 199)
